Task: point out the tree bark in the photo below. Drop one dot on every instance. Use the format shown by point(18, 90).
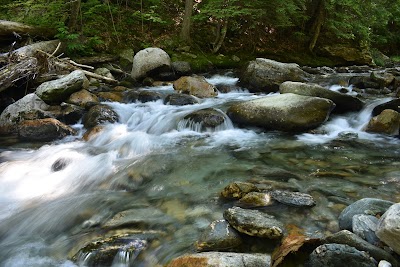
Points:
point(187, 17)
point(221, 33)
point(16, 71)
point(75, 9)
point(317, 23)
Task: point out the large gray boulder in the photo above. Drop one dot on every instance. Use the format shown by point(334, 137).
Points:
point(388, 229)
point(56, 91)
point(27, 108)
point(287, 112)
point(369, 206)
point(150, 61)
point(348, 238)
point(347, 54)
point(221, 259)
point(265, 75)
point(344, 102)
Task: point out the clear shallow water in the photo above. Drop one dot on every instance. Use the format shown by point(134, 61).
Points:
point(56, 197)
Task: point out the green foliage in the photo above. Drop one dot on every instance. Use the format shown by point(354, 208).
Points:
point(37, 12)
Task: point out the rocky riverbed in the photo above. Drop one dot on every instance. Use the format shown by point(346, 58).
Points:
point(285, 164)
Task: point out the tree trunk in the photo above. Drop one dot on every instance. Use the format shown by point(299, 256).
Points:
point(220, 36)
point(319, 20)
point(75, 9)
point(185, 31)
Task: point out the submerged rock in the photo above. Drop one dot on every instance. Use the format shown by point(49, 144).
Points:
point(180, 100)
point(111, 252)
point(196, 86)
point(218, 236)
point(265, 75)
point(237, 190)
point(138, 217)
point(208, 118)
point(287, 112)
point(338, 255)
point(387, 122)
point(344, 102)
point(296, 199)
point(99, 114)
point(221, 259)
point(388, 228)
point(369, 206)
point(43, 130)
point(59, 90)
point(254, 223)
point(256, 199)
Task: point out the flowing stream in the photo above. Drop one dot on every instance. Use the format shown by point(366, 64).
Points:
point(57, 197)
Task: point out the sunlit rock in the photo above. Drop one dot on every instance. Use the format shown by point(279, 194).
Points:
point(254, 223)
point(265, 75)
point(287, 112)
point(388, 229)
point(384, 79)
point(221, 259)
point(59, 90)
point(237, 190)
point(388, 122)
point(29, 107)
point(150, 61)
point(82, 97)
point(43, 130)
point(196, 86)
point(344, 102)
point(256, 199)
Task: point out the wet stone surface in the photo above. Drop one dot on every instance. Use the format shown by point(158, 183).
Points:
point(254, 223)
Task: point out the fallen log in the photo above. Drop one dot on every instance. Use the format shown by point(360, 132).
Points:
point(14, 72)
point(15, 30)
point(30, 50)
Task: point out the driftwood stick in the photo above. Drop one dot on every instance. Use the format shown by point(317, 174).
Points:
point(97, 76)
point(80, 65)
